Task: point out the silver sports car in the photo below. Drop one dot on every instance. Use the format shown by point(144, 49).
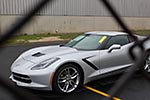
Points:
point(88, 57)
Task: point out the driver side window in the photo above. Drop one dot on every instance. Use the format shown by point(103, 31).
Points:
point(121, 40)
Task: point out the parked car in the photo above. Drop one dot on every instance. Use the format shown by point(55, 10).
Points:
point(63, 68)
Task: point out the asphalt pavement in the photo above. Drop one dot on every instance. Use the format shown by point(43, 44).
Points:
point(138, 88)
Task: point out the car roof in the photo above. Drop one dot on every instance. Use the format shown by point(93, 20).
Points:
point(108, 33)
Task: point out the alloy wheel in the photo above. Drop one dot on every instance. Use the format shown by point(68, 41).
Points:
point(147, 63)
point(68, 79)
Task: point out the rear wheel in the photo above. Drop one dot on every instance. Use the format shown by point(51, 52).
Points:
point(147, 62)
point(67, 79)
point(146, 69)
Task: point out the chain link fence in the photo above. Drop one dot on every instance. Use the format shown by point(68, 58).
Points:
point(138, 60)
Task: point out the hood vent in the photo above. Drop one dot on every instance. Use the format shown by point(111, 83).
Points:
point(38, 54)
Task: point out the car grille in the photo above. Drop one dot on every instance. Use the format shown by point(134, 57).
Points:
point(21, 78)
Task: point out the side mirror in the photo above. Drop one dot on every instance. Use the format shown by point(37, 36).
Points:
point(113, 47)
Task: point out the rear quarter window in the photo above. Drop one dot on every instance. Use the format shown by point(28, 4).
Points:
point(121, 40)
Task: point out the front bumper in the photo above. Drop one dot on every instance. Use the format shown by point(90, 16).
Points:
point(38, 82)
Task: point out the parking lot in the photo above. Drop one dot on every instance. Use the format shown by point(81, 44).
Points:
point(138, 87)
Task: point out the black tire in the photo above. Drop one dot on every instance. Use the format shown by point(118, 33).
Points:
point(65, 77)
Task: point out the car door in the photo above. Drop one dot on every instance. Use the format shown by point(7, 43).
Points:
point(117, 58)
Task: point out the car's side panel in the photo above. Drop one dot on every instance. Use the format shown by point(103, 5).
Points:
point(116, 59)
point(147, 45)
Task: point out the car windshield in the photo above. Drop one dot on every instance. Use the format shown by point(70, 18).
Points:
point(87, 42)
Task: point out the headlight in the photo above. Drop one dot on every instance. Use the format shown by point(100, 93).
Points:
point(44, 64)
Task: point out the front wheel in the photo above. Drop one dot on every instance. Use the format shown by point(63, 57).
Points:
point(67, 79)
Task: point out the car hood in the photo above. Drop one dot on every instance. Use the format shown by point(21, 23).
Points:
point(39, 54)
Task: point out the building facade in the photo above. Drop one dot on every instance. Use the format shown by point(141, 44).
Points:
point(75, 15)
